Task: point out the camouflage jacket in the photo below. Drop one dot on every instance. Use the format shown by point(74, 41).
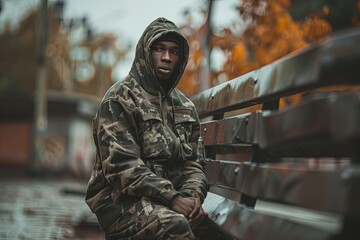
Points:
point(147, 137)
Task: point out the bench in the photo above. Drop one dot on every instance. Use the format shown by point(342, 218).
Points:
point(280, 168)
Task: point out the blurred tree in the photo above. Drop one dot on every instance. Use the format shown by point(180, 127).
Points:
point(103, 54)
point(70, 66)
point(18, 56)
point(270, 32)
point(191, 80)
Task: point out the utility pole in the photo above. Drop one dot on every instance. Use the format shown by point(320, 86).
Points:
point(205, 44)
point(40, 103)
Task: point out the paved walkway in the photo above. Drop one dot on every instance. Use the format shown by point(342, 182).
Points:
point(45, 209)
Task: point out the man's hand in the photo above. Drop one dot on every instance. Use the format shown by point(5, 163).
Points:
point(191, 208)
point(185, 206)
point(197, 215)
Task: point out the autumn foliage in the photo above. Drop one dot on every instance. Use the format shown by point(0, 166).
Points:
point(270, 33)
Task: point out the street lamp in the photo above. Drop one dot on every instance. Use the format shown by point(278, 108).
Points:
point(40, 105)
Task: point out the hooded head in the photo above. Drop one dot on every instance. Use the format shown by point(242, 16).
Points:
point(143, 66)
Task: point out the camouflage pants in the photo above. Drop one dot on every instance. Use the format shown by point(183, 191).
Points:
point(148, 220)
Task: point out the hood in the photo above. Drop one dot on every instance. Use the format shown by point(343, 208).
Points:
point(142, 68)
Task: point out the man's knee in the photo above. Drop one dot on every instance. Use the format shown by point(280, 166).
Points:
point(176, 226)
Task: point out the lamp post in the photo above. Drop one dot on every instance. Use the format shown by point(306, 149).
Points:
point(40, 103)
point(205, 43)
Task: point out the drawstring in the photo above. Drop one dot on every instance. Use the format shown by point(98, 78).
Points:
point(163, 110)
point(173, 110)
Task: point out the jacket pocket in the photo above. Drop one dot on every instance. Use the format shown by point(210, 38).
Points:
point(184, 122)
point(152, 134)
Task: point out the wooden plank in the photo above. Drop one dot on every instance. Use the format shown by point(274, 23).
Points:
point(324, 126)
point(334, 61)
point(320, 186)
point(245, 223)
point(331, 118)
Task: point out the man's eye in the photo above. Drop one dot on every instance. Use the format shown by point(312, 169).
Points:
point(157, 49)
point(175, 52)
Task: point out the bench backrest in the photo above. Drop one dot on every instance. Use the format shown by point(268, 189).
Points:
point(288, 133)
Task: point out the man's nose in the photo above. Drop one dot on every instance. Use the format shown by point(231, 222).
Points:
point(166, 56)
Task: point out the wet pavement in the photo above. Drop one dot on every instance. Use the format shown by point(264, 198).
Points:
point(45, 209)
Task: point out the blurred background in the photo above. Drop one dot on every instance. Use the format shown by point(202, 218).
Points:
point(58, 57)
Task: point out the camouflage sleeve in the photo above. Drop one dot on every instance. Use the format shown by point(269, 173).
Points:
point(191, 181)
point(120, 154)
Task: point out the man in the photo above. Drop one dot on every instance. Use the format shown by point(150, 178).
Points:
point(148, 181)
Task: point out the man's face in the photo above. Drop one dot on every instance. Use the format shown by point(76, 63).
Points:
point(165, 57)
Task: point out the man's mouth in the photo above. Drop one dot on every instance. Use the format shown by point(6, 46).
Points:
point(164, 69)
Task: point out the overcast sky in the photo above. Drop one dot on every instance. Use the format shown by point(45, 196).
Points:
point(127, 19)
point(130, 18)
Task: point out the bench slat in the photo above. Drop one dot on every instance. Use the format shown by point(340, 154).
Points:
point(316, 187)
point(310, 129)
point(335, 61)
point(244, 223)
